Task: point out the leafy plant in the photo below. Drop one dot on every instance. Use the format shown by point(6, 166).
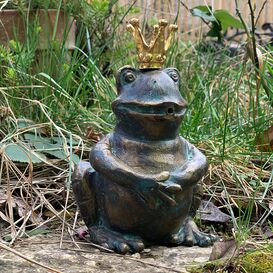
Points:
point(218, 21)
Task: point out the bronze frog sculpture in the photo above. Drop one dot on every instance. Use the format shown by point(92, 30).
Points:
point(142, 184)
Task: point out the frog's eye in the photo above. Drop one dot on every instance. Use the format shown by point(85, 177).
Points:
point(174, 76)
point(126, 75)
point(173, 73)
point(129, 76)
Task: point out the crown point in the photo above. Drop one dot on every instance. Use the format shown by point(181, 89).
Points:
point(163, 22)
point(130, 28)
point(173, 27)
point(152, 55)
point(134, 22)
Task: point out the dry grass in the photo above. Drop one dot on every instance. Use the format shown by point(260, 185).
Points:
point(35, 198)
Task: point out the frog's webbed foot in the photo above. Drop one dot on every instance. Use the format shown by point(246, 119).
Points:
point(115, 241)
point(190, 235)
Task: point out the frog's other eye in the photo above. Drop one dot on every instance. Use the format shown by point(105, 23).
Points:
point(173, 73)
point(174, 76)
point(129, 76)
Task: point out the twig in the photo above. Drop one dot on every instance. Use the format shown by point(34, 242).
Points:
point(253, 28)
point(241, 18)
point(257, 63)
point(28, 259)
point(184, 5)
point(260, 12)
point(253, 49)
point(63, 222)
point(189, 10)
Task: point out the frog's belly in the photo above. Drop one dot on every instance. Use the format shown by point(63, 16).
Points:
point(147, 216)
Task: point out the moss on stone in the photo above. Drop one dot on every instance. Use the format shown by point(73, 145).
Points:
point(260, 261)
point(257, 261)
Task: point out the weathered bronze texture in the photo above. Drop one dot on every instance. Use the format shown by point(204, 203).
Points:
point(152, 55)
point(142, 185)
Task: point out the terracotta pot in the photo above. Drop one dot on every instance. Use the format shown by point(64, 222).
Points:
point(12, 27)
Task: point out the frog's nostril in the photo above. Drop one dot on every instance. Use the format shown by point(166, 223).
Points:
point(170, 111)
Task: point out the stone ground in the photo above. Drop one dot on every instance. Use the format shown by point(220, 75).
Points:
point(88, 259)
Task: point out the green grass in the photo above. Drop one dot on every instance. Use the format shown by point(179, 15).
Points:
point(224, 120)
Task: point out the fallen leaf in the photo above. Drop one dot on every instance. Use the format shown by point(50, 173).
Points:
point(264, 140)
point(39, 231)
point(267, 232)
point(18, 153)
point(21, 208)
point(209, 212)
point(60, 213)
point(4, 112)
point(50, 146)
point(92, 135)
point(224, 250)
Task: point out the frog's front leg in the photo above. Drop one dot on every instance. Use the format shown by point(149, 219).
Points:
point(190, 175)
point(189, 234)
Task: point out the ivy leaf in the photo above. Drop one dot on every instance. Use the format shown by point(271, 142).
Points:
point(204, 12)
point(227, 20)
point(215, 30)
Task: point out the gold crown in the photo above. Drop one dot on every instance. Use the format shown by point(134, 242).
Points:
point(152, 55)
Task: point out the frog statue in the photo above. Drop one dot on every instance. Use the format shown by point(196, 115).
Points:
point(142, 185)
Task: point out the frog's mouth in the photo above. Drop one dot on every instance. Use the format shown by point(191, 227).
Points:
point(163, 110)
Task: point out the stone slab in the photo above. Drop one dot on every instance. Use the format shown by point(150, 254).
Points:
point(88, 259)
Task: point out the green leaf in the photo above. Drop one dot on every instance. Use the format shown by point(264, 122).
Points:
point(227, 20)
point(46, 145)
point(18, 153)
point(204, 12)
point(270, 69)
point(215, 30)
point(7, 238)
point(59, 153)
point(24, 123)
point(39, 231)
point(61, 140)
point(203, 8)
